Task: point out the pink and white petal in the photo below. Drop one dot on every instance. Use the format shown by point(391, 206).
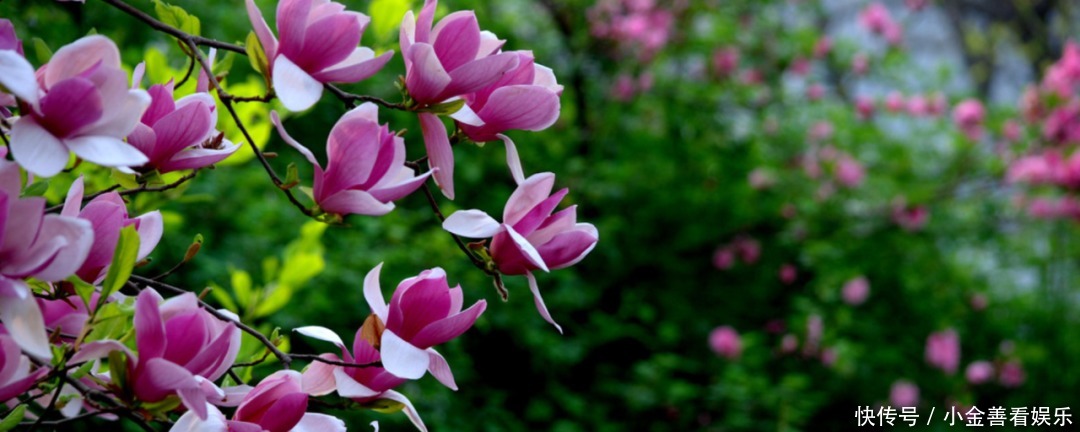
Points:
point(318, 378)
point(312, 422)
point(262, 30)
point(365, 111)
point(401, 358)
point(233, 396)
point(489, 44)
point(122, 110)
point(533, 191)
point(349, 387)
point(77, 57)
point(188, 125)
point(480, 73)
point(198, 158)
point(17, 76)
point(137, 75)
point(78, 236)
point(350, 70)
point(37, 150)
point(290, 141)
point(524, 107)
point(472, 223)
point(440, 369)
point(151, 226)
point(97, 350)
point(407, 35)
point(526, 249)
point(410, 410)
point(296, 89)
point(450, 327)
point(73, 201)
point(394, 192)
point(539, 300)
point(321, 333)
point(328, 40)
point(355, 202)
point(106, 151)
point(149, 325)
point(545, 77)
point(145, 141)
point(440, 154)
point(426, 80)
point(513, 161)
point(292, 20)
point(23, 320)
point(467, 116)
point(456, 39)
point(373, 293)
point(583, 232)
point(190, 422)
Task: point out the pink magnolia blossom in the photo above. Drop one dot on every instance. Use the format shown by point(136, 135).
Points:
point(1012, 130)
point(82, 105)
point(67, 314)
point(789, 343)
point(943, 350)
point(788, 274)
point(1035, 169)
point(1063, 76)
point(16, 377)
point(1011, 374)
point(815, 92)
point(623, 89)
point(910, 218)
point(725, 61)
point(904, 394)
point(723, 258)
point(877, 20)
point(821, 131)
point(864, 107)
point(725, 342)
point(918, 106)
point(277, 404)
point(894, 101)
point(9, 41)
point(530, 236)
point(749, 249)
point(1062, 126)
point(799, 66)
point(365, 170)
point(108, 215)
point(856, 291)
point(761, 178)
point(968, 116)
point(979, 372)
point(180, 135)
point(822, 47)
point(317, 45)
point(849, 172)
point(860, 64)
point(525, 98)
point(48, 247)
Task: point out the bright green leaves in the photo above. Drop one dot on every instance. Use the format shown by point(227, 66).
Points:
point(13, 418)
point(177, 17)
point(257, 56)
point(386, 17)
point(127, 250)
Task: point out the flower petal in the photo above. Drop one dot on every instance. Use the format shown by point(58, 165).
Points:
point(440, 369)
point(262, 30)
point(539, 300)
point(355, 202)
point(312, 422)
point(37, 150)
point(17, 76)
point(527, 249)
point(359, 66)
point(478, 74)
point(451, 327)
point(401, 358)
point(472, 224)
point(373, 293)
point(77, 57)
point(440, 154)
point(318, 378)
point(410, 410)
point(528, 194)
point(23, 320)
point(296, 89)
point(290, 141)
point(106, 151)
point(426, 79)
point(321, 333)
point(349, 387)
point(513, 160)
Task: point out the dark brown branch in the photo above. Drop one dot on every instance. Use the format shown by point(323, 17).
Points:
point(177, 33)
point(354, 99)
point(145, 187)
point(314, 357)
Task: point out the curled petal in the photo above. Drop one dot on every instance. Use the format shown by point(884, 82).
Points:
point(296, 89)
point(440, 154)
point(539, 300)
point(37, 150)
point(373, 293)
point(321, 333)
point(472, 224)
point(401, 358)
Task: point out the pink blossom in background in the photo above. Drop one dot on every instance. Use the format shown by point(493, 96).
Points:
point(761, 178)
point(968, 117)
point(979, 302)
point(910, 218)
point(316, 44)
point(725, 342)
point(894, 102)
point(638, 27)
point(979, 372)
point(828, 356)
point(789, 343)
point(623, 88)
point(749, 249)
point(82, 105)
point(1030, 105)
point(180, 135)
point(799, 66)
point(936, 104)
point(1012, 374)
point(723, 258)
point(822, 47)
point(821, 131)
point(815, 92)
point(849, 172)
point(864, 107)
point(860, 64)
point(876, 18)
point(108, 215)
point(918, 106)
point(725, 61)
point(815, 329)
point(1063, 76)
point(530, 237)
point(1012, 130)
point(752, 77)
point(1063, 125)
point(788, 274)
point(916, 5)
point(365, 169)
point(856, 291)
point(1035, 169)
point(904, 394)
point(9, 41)
point(943, 350)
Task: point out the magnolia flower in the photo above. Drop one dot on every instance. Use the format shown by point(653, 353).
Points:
point(530, 236)
point(856, 291)
point(968, 116)
point(979, 372)
point(894, 101)
point(822, 47)
point(1011, 374)
point(904, 394)
point(453, 58)
point(33, 244)
point(725, 61)
point(277, 404)
point(725, 342)
point(9, 41)
point(943, 350)
point(788, 274)
point(860, 64)
point(365, 169)
point(83, 105)
point(179, 135)
point(15, 375)
point(864, 107)
point(849, 172)
point(108, 215)
point(318, 44)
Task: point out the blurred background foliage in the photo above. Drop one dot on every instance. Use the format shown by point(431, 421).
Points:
point(678, 163)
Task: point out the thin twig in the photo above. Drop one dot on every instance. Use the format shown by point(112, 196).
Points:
point(187, 75)
point(314, 357)
point(354, 99)
point(179, 34)
point(145, 187)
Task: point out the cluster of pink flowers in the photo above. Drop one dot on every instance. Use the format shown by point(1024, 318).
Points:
point(877, 19)
point(744, 248)
point(638, 27)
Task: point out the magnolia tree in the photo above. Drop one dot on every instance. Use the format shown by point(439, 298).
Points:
point(84, 336)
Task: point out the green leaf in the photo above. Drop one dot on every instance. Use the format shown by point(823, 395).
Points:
point(123, 262)
point(177, 17)
point(125, 180)
point(257, 56)
point(36, 189)
point(41, 50)
point(446, 108)
point(118, 368)
point(241, 285)
point(386, 17)
point(223, 297)
point(110, 322)
point(12, 420)
point(83, 289)
point(82, 370)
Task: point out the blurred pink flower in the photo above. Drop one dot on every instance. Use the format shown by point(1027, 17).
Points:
point(1012, 130)
point(864, 107)
point(828, 356)
point(943, 350)
point(799, 66)
point(821, 131)
point(968, 116)
point(723, 258)
point(904, 394)
point(749, 249)
point(761, 178)
point(936, 104)
point(856, 291)
point(623, 88)
point(1062, 126)
point(979, 372)
point(1011, 374)
point(918, 106)
point(725, 61)
point(788, 274)
point(849, 172)
point(894, 101)
point(979, 302)
point(815, 92)
point(317, 43)
point(789, 343)
point(822, 47)
point(725, 342)
point(860, 64)
point(910, 218)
